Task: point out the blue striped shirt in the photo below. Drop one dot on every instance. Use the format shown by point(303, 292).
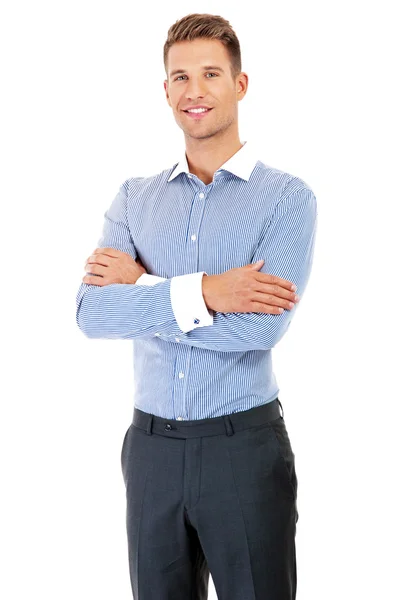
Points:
point(191, 364)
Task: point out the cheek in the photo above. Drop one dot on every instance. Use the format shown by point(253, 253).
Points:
point(176, 103)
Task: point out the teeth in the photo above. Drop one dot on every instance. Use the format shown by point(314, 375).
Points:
point(198, 110)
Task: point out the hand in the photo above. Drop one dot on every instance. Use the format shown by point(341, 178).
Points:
point(112, 266)
point(245, 290)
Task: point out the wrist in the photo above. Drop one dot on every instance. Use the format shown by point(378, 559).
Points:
point(134, 274)
point(206, 284)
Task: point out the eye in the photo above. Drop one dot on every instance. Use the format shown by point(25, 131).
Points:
point(208, 73)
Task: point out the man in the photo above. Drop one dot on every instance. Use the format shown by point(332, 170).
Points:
point(207, 462)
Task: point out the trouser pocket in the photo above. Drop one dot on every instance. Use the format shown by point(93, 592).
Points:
point(287, 456)
point(123, 452)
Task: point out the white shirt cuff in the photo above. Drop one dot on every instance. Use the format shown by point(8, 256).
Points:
point(188, 303)
point(147, 279)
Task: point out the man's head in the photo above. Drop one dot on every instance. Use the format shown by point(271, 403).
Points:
point(195, 46)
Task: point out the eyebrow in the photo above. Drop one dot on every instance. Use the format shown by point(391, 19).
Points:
point(209, 67)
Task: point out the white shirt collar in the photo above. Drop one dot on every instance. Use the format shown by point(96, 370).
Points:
point(242, 163)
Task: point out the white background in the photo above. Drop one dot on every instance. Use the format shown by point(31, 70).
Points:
point(83, 108)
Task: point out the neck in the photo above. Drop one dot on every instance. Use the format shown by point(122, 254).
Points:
point(204, 157)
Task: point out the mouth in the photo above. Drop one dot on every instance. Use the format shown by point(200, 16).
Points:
point(199, 115)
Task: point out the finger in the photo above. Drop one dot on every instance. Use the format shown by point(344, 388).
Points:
point(108, 251)
point(269, 309)
point(268, 278)
point(270, 300)
point(100, 259)
point(96, 269)
point(276, 291)
point(93, 280)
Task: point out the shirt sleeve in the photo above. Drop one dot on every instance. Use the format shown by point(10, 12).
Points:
point(128, 311)
point(287, 247)
point(187, 299)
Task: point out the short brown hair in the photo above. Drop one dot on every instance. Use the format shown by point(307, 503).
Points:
point(214, 27)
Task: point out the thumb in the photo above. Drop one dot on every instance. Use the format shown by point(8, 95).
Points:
point(256, 265)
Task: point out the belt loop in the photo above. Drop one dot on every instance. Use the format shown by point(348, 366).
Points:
point(149, 425)
point(228, 425)
point(281, 407)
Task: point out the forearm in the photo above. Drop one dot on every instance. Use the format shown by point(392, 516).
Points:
point(148, 307)
point(288, 250)
point(229, 332)
point(124, 311)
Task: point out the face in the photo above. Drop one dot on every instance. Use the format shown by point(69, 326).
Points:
point(196, 85)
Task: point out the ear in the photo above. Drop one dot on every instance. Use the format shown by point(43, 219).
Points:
point(165, 85)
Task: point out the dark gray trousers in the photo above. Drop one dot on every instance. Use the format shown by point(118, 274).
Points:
point(215, 496)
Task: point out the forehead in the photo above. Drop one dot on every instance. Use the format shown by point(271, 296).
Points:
point(196, 53)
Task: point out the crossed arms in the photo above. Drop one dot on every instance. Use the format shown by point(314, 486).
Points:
point(133, 311)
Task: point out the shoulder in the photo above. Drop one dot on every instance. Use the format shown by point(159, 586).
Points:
point(282, 183)
point(137, 185)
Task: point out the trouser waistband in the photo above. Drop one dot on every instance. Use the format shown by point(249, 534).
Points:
point(228, 424)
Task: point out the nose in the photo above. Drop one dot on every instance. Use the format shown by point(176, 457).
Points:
point(195, 89)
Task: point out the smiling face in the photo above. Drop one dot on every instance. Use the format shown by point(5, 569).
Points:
point(199, 73)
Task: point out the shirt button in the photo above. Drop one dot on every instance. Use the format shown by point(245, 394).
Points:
point(158, 334)
point(201, 195)
point(180, 418)
point(181, 374)
point(177, 339)
point(194, 237)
